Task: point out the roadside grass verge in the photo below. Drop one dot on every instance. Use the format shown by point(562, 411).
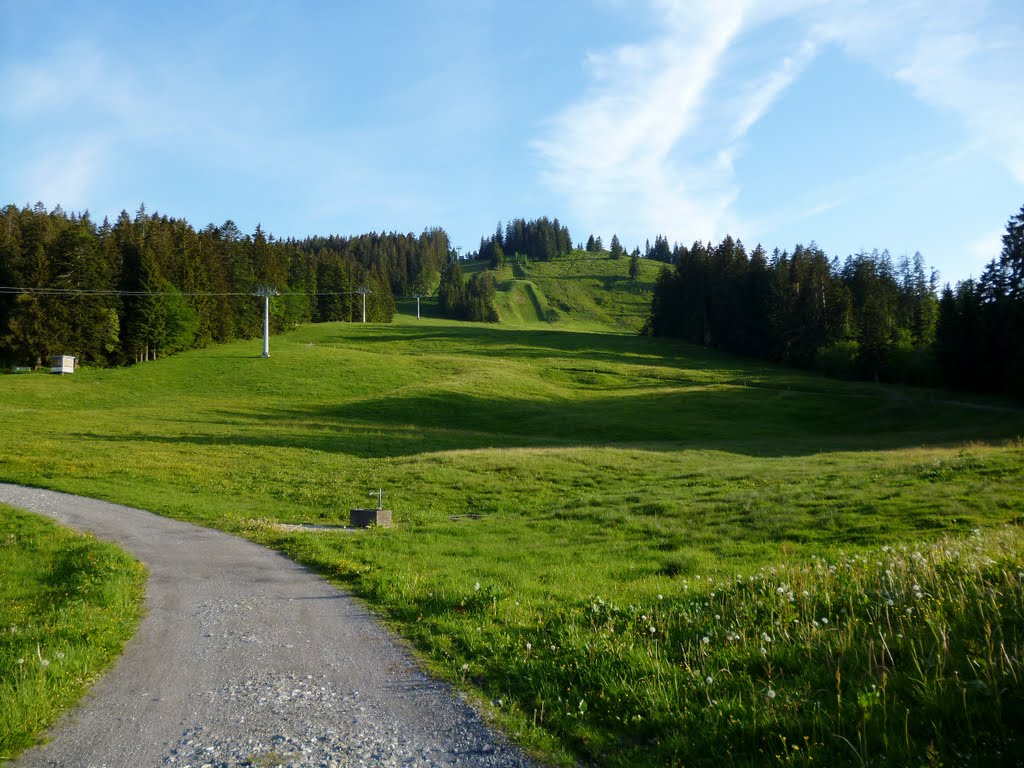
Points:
point(68, 605)
point(897, 655)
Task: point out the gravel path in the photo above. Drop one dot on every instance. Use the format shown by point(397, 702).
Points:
point(245, 658)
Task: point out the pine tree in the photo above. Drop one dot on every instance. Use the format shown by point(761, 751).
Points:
point(451, 294)
point(617, 250)
point(1012, 256)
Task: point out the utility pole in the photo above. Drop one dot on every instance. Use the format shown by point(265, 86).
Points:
point(266, 291)
point(363, 290)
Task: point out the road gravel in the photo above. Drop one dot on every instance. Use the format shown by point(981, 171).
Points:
point(245, 658)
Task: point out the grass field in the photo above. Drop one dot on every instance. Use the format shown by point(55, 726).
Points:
point(583, 290)
point(68, 605)
point(596, 531)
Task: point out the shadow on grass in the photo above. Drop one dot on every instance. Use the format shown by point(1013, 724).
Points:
point(751, 421)
point(474, 340)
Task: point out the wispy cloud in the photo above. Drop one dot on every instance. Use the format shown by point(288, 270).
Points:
point(612, 152)
point(651, 145)
point(964, 57)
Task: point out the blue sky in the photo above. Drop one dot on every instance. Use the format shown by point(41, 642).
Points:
point(855, 124)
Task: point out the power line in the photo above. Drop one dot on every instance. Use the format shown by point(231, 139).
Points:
point(14, 290)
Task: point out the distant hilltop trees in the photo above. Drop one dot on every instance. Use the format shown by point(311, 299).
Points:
point(538, 240)
point(150, 285)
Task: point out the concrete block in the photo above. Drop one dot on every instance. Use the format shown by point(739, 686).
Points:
point(364, 518)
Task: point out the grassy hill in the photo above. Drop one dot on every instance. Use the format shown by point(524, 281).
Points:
point(633, 551)
point(581, 290)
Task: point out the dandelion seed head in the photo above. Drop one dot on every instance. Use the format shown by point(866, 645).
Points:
point(529, 646)
point(653, 630)
point(709, 679)
point(770, 694)
point(477, 586)
point(705, 639)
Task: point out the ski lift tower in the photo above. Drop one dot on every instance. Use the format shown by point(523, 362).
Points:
point(363, 290)
point(266, 291)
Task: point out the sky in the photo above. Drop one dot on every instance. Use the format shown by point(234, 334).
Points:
point(854, 124)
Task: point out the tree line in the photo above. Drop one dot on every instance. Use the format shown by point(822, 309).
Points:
point(867, 317)
point(149, 285)
point(541, 239)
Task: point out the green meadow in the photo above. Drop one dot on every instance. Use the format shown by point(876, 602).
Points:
point(629, 550)
point(68, 605)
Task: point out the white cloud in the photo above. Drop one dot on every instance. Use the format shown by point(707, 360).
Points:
point(650, 146)
point(964, 57)
point(611, 152)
